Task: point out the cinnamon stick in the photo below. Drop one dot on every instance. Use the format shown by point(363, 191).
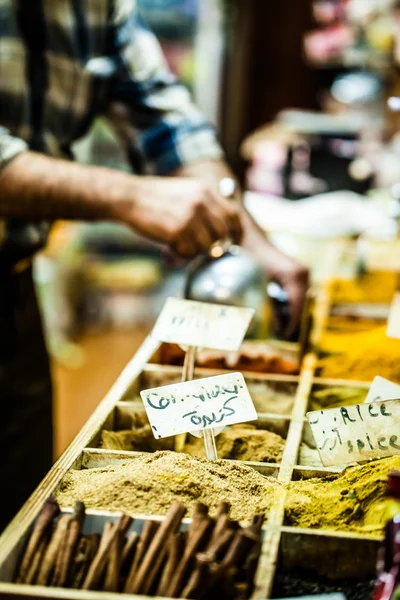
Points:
point(71, 542)
point(49, 511)
point(36, 560)
point(114, 564)
point(197, 578)
point(99, 562)
point(128, 552)
point(149, 530)
point(156, 552)
point(50, 555)
point(193, 546)
point(175, 552)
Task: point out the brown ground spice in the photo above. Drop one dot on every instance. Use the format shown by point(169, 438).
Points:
point(354, 501)
point(242, 442)
point(239, 442)
point(148, 484)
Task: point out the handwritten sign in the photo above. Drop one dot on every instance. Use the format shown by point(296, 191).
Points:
point(382, 389)
point(201, 324)
point(201, 404)
point(393, 328)
point(356, 433)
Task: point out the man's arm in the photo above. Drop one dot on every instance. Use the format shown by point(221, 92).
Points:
point(290, 274)
point(182, 213)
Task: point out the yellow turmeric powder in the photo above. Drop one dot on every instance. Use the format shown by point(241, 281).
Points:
point(377, 287)
point(361, 356)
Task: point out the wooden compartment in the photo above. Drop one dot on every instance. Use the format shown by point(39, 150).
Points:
point(94, 523)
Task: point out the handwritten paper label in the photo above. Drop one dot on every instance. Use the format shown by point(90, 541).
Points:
point(203, 325)
point(382, 389)
point(393, 328)
point(201, 404)
point(356, 433)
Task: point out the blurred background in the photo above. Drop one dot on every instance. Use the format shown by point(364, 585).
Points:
point(305, 99)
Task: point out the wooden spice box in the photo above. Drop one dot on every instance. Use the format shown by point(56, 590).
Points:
point(284, 548)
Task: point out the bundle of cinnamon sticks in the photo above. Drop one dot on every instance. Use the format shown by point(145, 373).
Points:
point(215, 556)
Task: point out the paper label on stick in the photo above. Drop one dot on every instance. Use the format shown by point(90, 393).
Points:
point(356, 433)
point(382, 389)
point(201, 404)
point(204, 325)
point(393, 327)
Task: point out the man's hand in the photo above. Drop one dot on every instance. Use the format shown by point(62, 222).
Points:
point(183, 213)
point(287, 272)
point(293, 277)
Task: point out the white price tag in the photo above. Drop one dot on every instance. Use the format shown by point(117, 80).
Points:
point(201, 404)
point(202, 325)
point(382, 389)
point(393, 328)
point(356, 433)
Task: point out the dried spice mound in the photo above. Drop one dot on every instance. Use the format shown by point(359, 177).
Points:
point(148, 484)
point(354, 501)
point(361, 355)
point(242, 442)
point(140, 440)
point(377, 287)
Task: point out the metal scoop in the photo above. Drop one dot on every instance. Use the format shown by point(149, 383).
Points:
point(228, 275)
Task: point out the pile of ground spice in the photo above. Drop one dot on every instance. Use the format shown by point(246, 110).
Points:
point(331, 397)
point(353, 501)
point(256, 356)
point(268, 400)
point(141, 440)
point(378, 287)
point(149, 483)
point(361, 356)
point(239, 442)
point(242, 442)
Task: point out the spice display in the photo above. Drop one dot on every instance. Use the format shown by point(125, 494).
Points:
point(149, 483)
point(254, 356)
point(333, 396)
point(353, 501)
point(361, 356)
point(377, 287)
point(215, 557)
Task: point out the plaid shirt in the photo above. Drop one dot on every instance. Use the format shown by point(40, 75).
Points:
point(62, 62)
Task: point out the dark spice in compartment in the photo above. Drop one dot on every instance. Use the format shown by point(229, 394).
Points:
point(148, 484)
point(302, 583)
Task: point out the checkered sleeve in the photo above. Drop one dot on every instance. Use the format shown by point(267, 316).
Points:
point(166, 126)
point(10, 146)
